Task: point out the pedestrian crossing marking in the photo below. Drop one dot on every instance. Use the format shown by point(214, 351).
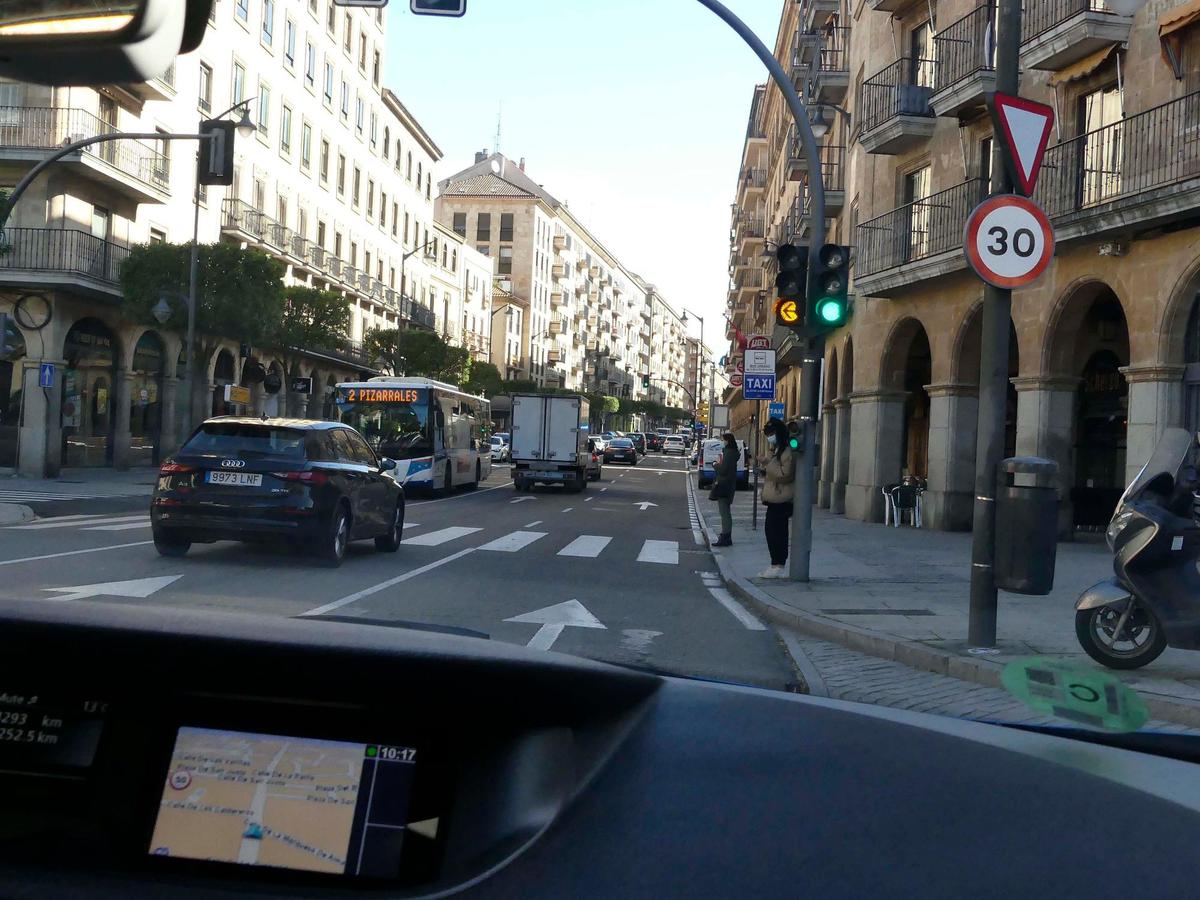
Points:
point(408, 525)
point(511, 543)
point(59, 522)
point(123, 526)
point(17, 496)
point(664, 552)
point(586, 545)
point(436, 538)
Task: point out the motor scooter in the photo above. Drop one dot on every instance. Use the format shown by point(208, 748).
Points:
point(1153, 600)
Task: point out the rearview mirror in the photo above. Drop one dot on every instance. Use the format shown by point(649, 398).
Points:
point(387, 465)
point(81, 42)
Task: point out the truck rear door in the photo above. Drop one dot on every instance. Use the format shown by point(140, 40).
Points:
point(562, 434)
point(528, 425)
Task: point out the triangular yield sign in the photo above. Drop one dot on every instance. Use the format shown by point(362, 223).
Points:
point(1024, 127)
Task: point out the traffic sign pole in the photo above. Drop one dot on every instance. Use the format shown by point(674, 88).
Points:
point(993, 375)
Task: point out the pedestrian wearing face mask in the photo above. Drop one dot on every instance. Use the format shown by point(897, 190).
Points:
point(779, 468)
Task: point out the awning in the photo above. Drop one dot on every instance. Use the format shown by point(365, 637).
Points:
point(1170, 28)
point(1085, 66)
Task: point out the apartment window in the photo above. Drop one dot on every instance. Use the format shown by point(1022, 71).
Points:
point(337, 245)
point(264, 110)
point(460, 224)
point(312, 6)
point(241, 9)
point(289, 44)
point(345, 100)
point(347, 35)
point(302, 222)
point(331, 18)
point(985, 165)
point(158, 236)
point(376, 62)
point(324, 161)
point(285, 130)
point(428, 186)
point(383, 210)
point(281, 210)
point(268, 22)
point(238, 84)
point(391, 276)
point(408, 173)
point(916, 189)
point(320, 234)
point(395, 217)
point(454, 260)
point(354, 253)
point(206, 84)
point(374, 132)
point(1102, 146)
point(506, 227)
point(341, 175)
point(922, 50)
point(367, 262)
point(418, 175)
point(387, 141)
point(484, 249)
point(357, 186)
point(362, 52)
point(370, 198)
point(483, 227)
point(425, 240)
point(310, 65)
point(260, 194)
point(360, 114)
point(328, 83)
point(504, 266)
point(397, 154)
point(406, 228)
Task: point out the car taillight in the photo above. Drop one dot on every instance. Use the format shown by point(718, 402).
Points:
point(312, 476)
point(174, 468)
point(595, 458)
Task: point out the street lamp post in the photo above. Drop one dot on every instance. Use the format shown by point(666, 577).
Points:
point(700, 367)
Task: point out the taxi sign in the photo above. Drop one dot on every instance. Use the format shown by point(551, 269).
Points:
point(1008, 241)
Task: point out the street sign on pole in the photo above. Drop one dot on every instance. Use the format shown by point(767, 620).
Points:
point(1008, 241)
point(776, 411)
point(736, 379)
point(46, 375)
point(1024, 127)
point(758, 342)
point(760, 361)
point(720, 415)
point(301, 385)
point(759, 387)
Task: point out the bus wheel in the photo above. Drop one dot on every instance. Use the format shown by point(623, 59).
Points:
point(447, 484)
point(478, 472)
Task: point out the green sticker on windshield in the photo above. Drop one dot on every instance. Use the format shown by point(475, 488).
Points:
point(1078, 694)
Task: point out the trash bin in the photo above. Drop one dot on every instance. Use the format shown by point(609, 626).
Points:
point(1026, 525)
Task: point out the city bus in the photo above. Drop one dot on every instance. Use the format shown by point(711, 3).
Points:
point(438, 435)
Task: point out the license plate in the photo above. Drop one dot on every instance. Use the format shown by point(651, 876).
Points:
point(234, 479)
point(548, 475)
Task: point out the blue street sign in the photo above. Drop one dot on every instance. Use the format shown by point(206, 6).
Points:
point(759, 387)
point(775, 411)
point(46, 375)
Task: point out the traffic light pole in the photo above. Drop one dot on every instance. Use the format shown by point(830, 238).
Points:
point(993, 375)
point(804, 483)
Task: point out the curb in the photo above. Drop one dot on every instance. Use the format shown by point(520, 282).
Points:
point(15, 514)
point(911, 653)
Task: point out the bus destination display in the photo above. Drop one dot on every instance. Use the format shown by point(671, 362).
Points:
point(380, 395)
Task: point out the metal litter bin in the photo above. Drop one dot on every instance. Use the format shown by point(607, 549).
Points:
point(1026, 524)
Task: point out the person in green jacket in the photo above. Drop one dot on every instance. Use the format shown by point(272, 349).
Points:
point(724, 487)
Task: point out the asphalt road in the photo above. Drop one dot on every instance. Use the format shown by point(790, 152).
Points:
point(617, 573)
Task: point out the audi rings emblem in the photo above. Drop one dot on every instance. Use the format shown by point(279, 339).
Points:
point(233, 463)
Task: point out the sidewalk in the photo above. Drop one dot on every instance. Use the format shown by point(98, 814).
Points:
point(902, 594)
point(93, 482)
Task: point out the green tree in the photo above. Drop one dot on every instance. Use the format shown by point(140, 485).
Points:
point(417, 352)
point(484, 378)
point(310, 320)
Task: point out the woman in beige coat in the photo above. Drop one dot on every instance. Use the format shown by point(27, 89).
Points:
point(779, 469)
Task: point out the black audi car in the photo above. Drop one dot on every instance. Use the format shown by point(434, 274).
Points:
point(621, 449)
point(316, 484)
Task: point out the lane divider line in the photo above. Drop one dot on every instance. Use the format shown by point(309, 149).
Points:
point(384, 585)
point(13, 562)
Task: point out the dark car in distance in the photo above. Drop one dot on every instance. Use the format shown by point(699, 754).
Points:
point(639, 441)
point(653, 440)
point(316, 484)
point(621, 449)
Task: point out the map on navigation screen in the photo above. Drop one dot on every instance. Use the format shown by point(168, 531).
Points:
point(261, 800)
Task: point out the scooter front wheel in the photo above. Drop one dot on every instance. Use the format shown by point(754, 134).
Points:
point(1122, 635)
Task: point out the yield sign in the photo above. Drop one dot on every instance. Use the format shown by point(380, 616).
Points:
point(1025, 127)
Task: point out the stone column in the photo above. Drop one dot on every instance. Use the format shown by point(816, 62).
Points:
point(1155, 403)
point(953, 424)
point(315, 402)
point(829, 438)
point(876, 457)
point(257, 398)
point(168, 438)
point(841, 465)
point(1046, 427)
point(40, 452)
point(120, 431)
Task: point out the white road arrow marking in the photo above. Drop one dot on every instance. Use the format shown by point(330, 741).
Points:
point(522, 499)
point(644, 504)
point(554, 619)
point(139, 588)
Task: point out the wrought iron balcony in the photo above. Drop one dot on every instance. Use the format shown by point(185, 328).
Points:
point(923, 230)
point(895, 111)
point(61, 257)
point(966, 63)
point(136, 170)
point(830, 76)
point(1140, 172)
point(1057, 33)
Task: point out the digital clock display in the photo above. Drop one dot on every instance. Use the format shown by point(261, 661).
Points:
point(48, 731)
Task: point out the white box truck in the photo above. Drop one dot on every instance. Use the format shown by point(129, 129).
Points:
point(549, 441)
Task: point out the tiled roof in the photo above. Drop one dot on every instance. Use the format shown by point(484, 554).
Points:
point(486, 185)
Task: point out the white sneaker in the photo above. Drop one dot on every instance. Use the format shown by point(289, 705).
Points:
point(776, 572)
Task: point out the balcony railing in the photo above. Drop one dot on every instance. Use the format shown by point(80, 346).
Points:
point(835, 48)
point(962, 47)
point(66, 250)
point(48, 128)
point(753, 178)
point(1139, 153)
point(902, 89)
point(1042, 15)
point(923, 228)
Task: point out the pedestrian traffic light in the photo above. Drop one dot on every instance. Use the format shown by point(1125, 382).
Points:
point(790, 285)
point(829, 281)
point(215, 162)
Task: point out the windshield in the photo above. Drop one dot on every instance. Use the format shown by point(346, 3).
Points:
point(476, 286)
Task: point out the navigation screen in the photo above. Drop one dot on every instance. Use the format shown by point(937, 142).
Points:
point(293, 803)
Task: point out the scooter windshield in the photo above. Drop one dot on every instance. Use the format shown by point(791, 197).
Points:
point(1170, 455)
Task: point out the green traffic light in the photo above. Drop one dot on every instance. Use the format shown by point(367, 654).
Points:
point(794, 443)
point(831, 311)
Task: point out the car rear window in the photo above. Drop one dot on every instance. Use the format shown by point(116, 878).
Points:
point(248, 440)
point(622, 442)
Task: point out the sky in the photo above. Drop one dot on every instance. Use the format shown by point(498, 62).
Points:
point(633, 112)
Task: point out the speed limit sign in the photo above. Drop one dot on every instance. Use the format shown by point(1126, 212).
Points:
point(1008, 241)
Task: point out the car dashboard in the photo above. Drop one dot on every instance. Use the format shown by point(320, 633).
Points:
point(189, 753)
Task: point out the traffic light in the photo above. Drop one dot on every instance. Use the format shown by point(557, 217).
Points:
point(419, 7)
point(829, 281)
point(795, 435)
point(790, 285)
point(645, 382)
point(216, 153)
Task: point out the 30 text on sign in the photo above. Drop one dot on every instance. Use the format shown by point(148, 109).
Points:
point(1008, 241)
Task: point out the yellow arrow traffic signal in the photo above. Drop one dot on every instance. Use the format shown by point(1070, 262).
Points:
point(787, 312)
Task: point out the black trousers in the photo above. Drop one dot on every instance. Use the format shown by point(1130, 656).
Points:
point(776, 527)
